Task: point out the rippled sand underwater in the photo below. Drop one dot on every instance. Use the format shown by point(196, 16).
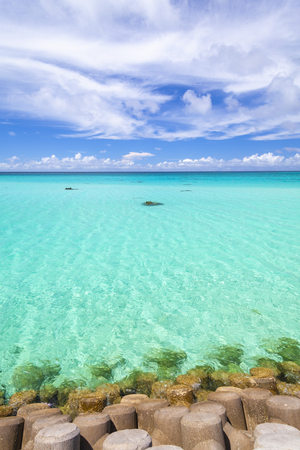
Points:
point(94, 278)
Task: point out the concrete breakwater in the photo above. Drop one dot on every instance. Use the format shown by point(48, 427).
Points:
point(231, 418)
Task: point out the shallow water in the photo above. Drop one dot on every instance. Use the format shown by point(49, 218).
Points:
point(93, 274)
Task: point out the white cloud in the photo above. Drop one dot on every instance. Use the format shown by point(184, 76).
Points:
point(100, 69)
point(195, 104)
point(12, 133)
point(78, 156)
point(157, 148)
point(103, 151)
point(266, 161)
point(137, 155)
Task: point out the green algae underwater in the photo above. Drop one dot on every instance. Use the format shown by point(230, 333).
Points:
point(282, 355)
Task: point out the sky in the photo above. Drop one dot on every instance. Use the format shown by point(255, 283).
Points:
point(149, 85)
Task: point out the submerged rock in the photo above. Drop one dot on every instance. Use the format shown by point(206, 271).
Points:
point(201, 395)
point(240, 380)
point(159, 389)
point(22, 398)
point(289, 372)
point(180, 395)
point(219, 378)
point(262, 372)
point(189, 380)
point(144, 382)
point(111, 391)
point(288, 388)
point(6, 411)
point(151, 203)
point(165, 362)
point(49, 394)
point(203, 375)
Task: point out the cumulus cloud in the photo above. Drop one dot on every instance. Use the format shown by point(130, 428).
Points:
point(195, 104)
point(113, 69)
point(266, 161)
point(137, 155)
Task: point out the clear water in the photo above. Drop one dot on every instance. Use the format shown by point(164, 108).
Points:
point(92, 273)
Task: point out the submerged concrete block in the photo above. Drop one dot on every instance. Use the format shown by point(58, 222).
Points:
point(285, 408)
point(11, 429)
point(233, 404)
point(65, 436)
point(92, 427)
point(255, 407)
point(128, 440)
point(123, 417)
point(211, 407)
point(145, 412)
point(199, 427)
point(167, 425)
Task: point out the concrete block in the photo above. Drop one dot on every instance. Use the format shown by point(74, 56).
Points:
point(198, 427)
point(280, 441)
point(49, 421)
point(31, 416)
point(255, 407)
point(210, 407)
point(128, 440)
point(167, 425)
point(145, 413)
point(65, 436)
point(24, 410)
point(134, 399)
point(232, 402)
point(92, 427)
point(285, 408)
point(274, 428)
point(123, 417)
point(167, 447)
point(11, 429)
point(238, 439)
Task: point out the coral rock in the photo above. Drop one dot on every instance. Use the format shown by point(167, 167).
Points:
point(290, 372)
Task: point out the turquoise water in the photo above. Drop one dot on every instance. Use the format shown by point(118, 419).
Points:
point(92, 274)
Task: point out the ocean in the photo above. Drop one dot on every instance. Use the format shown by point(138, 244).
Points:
point(92, 275)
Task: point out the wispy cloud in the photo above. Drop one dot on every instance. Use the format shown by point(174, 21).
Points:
point(12, 133)
point(292, 149)
point(266, 161)
point(112, 69)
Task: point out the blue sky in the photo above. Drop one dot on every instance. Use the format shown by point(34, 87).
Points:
point(149, 85)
